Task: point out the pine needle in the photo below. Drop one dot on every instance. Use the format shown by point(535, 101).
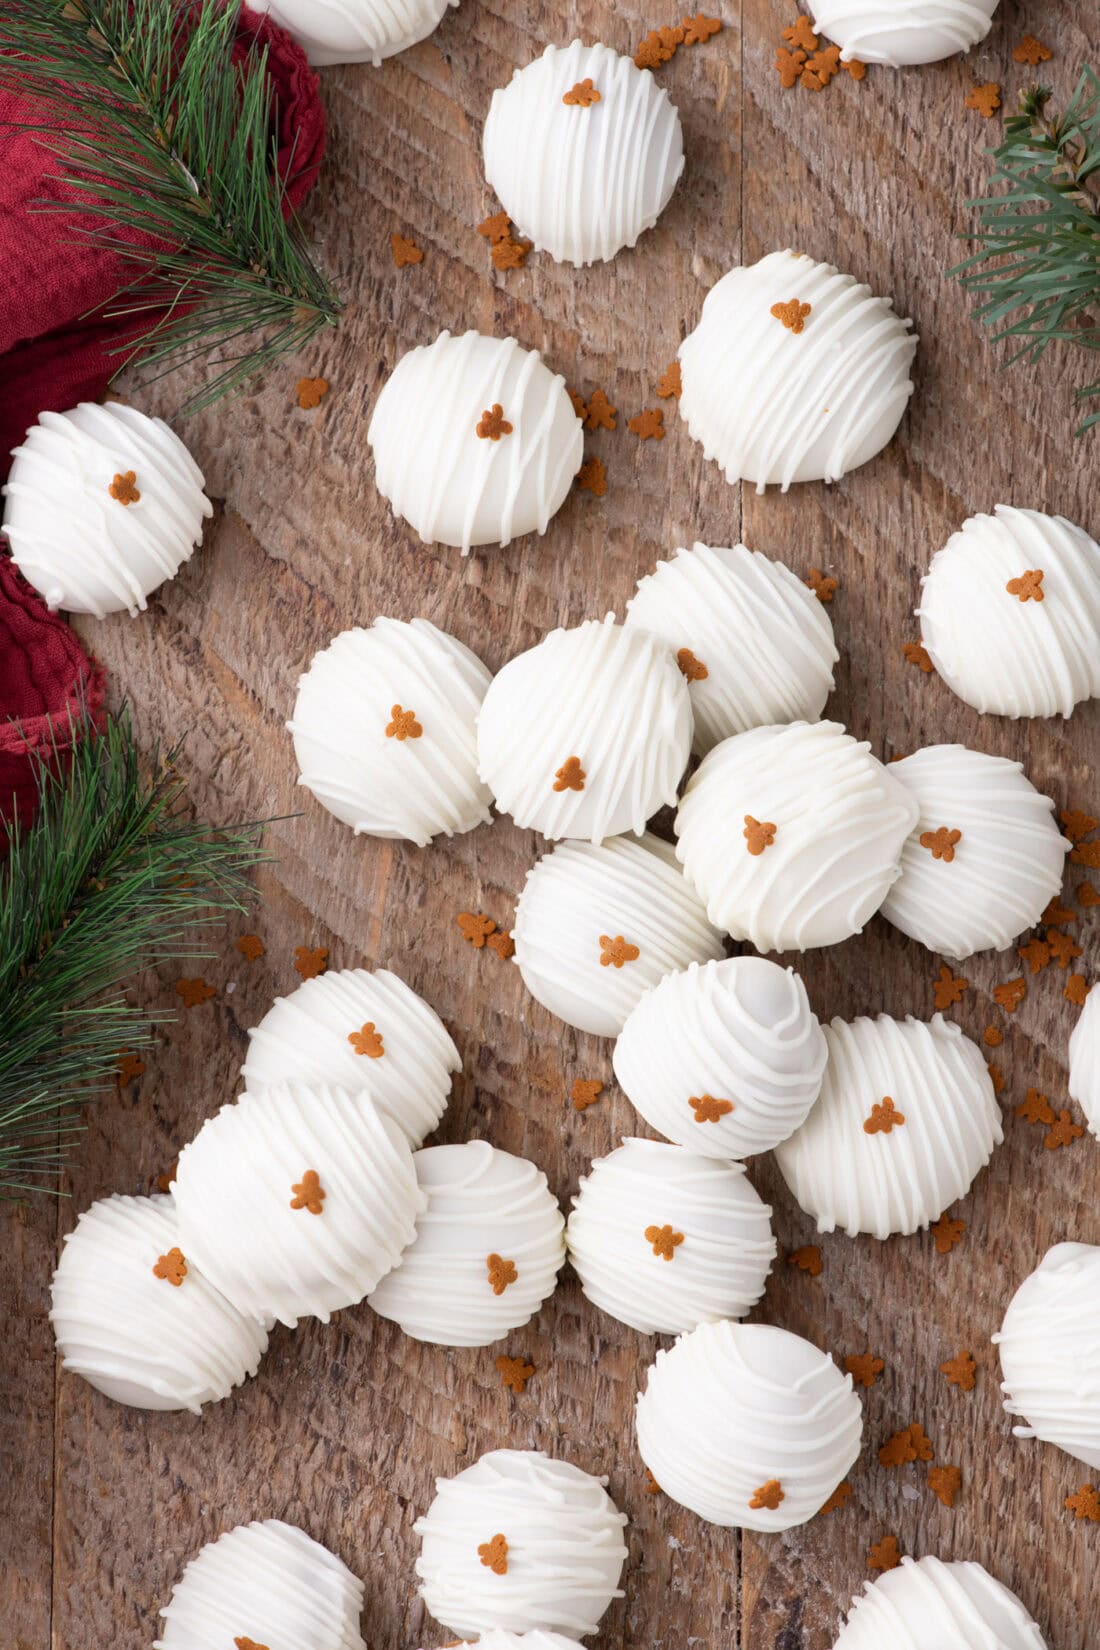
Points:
point(110, 878)
point(1037, 267)
point(147, 116)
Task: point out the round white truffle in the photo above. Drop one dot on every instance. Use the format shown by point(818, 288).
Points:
point(475, 441)
point(794, 373)
point(925, 1604)
point(102, 505)
point(355, 31)
point(793, 835)
point(1010, 613)
point(984, 858)
point(1084, 1062)
point(664, 1240)
point(907, 1117)
point(487, 1251)
point(748, 1425)
point(359, 1030)
point(725, 1058)
point(903, 32)
point(596, 927)
point(1049, 1346)
point(136, 1317)
point(583, 149)
point(384, 730)
point(297, 1201)
point(587, 734)
point(520, 1542)
point(754, 643)
point(268, 1583)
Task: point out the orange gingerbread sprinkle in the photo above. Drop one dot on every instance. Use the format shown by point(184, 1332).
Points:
point(129, 1068)
point(123, 490)
point(820, 69)
point(941, 843)
point(691, 667)
point(245, 1643)
point(855, 68)
point(917, 654)
point(884, 1555)
point(570, 776)
point(1076, 990)
point(1085, 1504)
point(592, 477)
point(510, 253)
point(669, 385)
point(800, 34)
point(500, 1273)
point(492, 424)
point(1036, 1108)
point(494, 1555)
point(250, 946)
point(993, 1036)
point(789, 65)
point(1077, 824)
point(308, 1193)
point(824, 587)
point(1063, 949)
point(403, 726)
point(1087, 895)
point(582, 95)
point(699, 29)
point(961, 1371)
point(1010, 995)
point(1087, 853)
point(949, 988)
point(651, 1485)
point(1057, 914)
point(947, 1233)
point(793, 315)
point(884, 1117)
point(768, 1496)
point(758, 835)
point(1028, 587)
point(580, 405)
point(405, 251)
point(1063, 1133)
point(367, 1041)
point(648, 425)
point(514, 1372)
point(585, 1092)
point(986, 99)
point(996, 1077)
point(944, 1483)
point(664, 1240)
point(1036, 953)
point(166, 1181)
point(839, 1498)
point(475, 928)
point(910, 1444)
point(311, 392)
point(864, 1368)
point(498, 227)
point(171, 1267)
point(309, 963)
point(806, 1259)
point(601, 414)
point(616, 952)
point(193, 993)
point(1031, 51)
point(709, 1110)
point(502, 943)
point(653, 51)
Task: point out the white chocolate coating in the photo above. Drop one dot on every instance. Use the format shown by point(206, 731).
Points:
point(761, 634)
point(717, 1270)
point(740, 1030)
point(925, 1604)
point(234, 1188)
point(732, 1407)
point(1084, 1061)
point(381, 785)
point(305, 1038)
point(565, 1547)
point(613, 700)
point(355, 31)
point(628, 887)
point(81, 548)
point(1005, 656)
point(269, 1582)
point(451, 485)
point(480, 1202)
point(841, 821)
point(900, 1179)
point(1049, 1346)
point(582, 183)
point(135, 1336)
point(499, 1638)
point(1005, 868)
point(774, 406)
point(903, 32)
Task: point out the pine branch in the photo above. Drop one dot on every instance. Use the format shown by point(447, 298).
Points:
point(110, 878)
point(162, 136)
point(1037, 267)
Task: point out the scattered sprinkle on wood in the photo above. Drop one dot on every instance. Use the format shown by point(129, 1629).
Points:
point(986, 99)
point(884, 1555)
point(961, 1371)
point(1076, 990)
point(193, 993)
point(585, 1092)
point(311, 392)
point(167, 1180)
point(1085, 1504)
point(1032, 51)
point(475, 928)
point(823, 585)
point(949, 989)
point(250, 946)
point(600, 414)
point(1076, 824)
point(505, 250)
point(840, 1496)
point(945, 1482)
point(997, 1078)
point(669, 385)
point(661, 45)
point(1036, 1108)
point(1063, 1132)
point(910, 1444)
point(806, 1259)
point(648, 425)
point(917, 654)
point(864, 1368)
point(804, 61)
point(405, 251)
point(947, 1234)
point(310, 961)
point(514, 1372)
point(1010, 995)
point(592, 477)
point(129, 1068)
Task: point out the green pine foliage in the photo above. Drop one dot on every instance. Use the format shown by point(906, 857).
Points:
point(1036, 272)
point(110, 878)
point(143, 109)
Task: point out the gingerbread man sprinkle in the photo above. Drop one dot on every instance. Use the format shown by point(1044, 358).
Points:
point(941, 843)
point(171, 1267)
point(309, 1193)
point(494, 1555)
point(123, 490)
point(758, 835)
point(768, 1496)
point(617, 952)
point(582, 95)
point(692, 668)
point(570, 776)
point(492, 424)
point(664, 1240)
point(793, 315)
point(403, 725)
point(1028, 587)
point(709, 1110)
point(500, 1273)
point(884, 1117)
point(367, 1041)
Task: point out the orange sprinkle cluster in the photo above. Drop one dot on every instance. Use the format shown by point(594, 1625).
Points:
point(664, 1240)
point(910, 1444)
point(405, 251)
point(475, 929)
point(917, 654)
point(171, 1267)
point(944, 1482)
point(310, 961)
point(367, 1041)
point(501, 1273)
point(758, 835)
point(311, 392)
point(803, 61)
point(514, 1372)
point(709, 1110)
point(986, 99)
point(585, 1092)
point(505, 250)
point(1028, 587)
point(661, 45)
point(123, 489)
point(582, 95)
point(492, 424)
point(648, 425)
point(839, 1498)
point(670, 385)
point(941, 843)
point(806, 1259)
point(570, 776)
point(961, 1371)
point(1085, 1504)
point(592, 477)
point(947, 1233)
point(864, 1368)
point(793, 315)
point(692, 668)
point(823, 586)
point(250, 946)
point(193, 993)
point(884, 1117)
point(309, 1193)
point(949, 988)
point(494, 1555)
point(884, 1555)
point(1031, 51)
point(768, 1496)
point(616, 952)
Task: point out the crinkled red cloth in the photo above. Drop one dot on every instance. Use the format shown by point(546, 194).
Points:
point(51, 358)
point(45, 679)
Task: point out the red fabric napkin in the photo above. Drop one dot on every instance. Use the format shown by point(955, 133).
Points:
point(51, 358)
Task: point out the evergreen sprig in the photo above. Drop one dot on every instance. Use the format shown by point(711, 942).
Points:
point(164, 136)
point(1037, 267)
point(110, 877)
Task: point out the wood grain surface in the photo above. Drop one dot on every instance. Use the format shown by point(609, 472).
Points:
point(346, 1426)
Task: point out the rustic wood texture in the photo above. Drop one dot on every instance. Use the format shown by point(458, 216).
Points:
point(346, 1426)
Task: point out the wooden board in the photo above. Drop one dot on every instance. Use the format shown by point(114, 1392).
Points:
point(347, 1425)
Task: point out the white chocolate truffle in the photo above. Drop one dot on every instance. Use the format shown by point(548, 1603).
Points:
point(806, 398)
point(1084, 1061)
point(103, 504)
point(793, 835)
point(450, 483)
point(901, 33)
point(384, 731)
point(984, 859)
point(1049, 1346)
point(487, 1251)
point(855, 1164)
point(598, 927)
point(1010, 613)
point(753, 641)
point(359, 1030)
point(926, 1604)
point(726, 1058)
point(520, 1542)
point(297, 1201)
point(587, 734)
point(748, 1425)
point(582, 179)
point(269, 1583)
point(124, 1323)
point(355, 31)
point(664, 1240)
